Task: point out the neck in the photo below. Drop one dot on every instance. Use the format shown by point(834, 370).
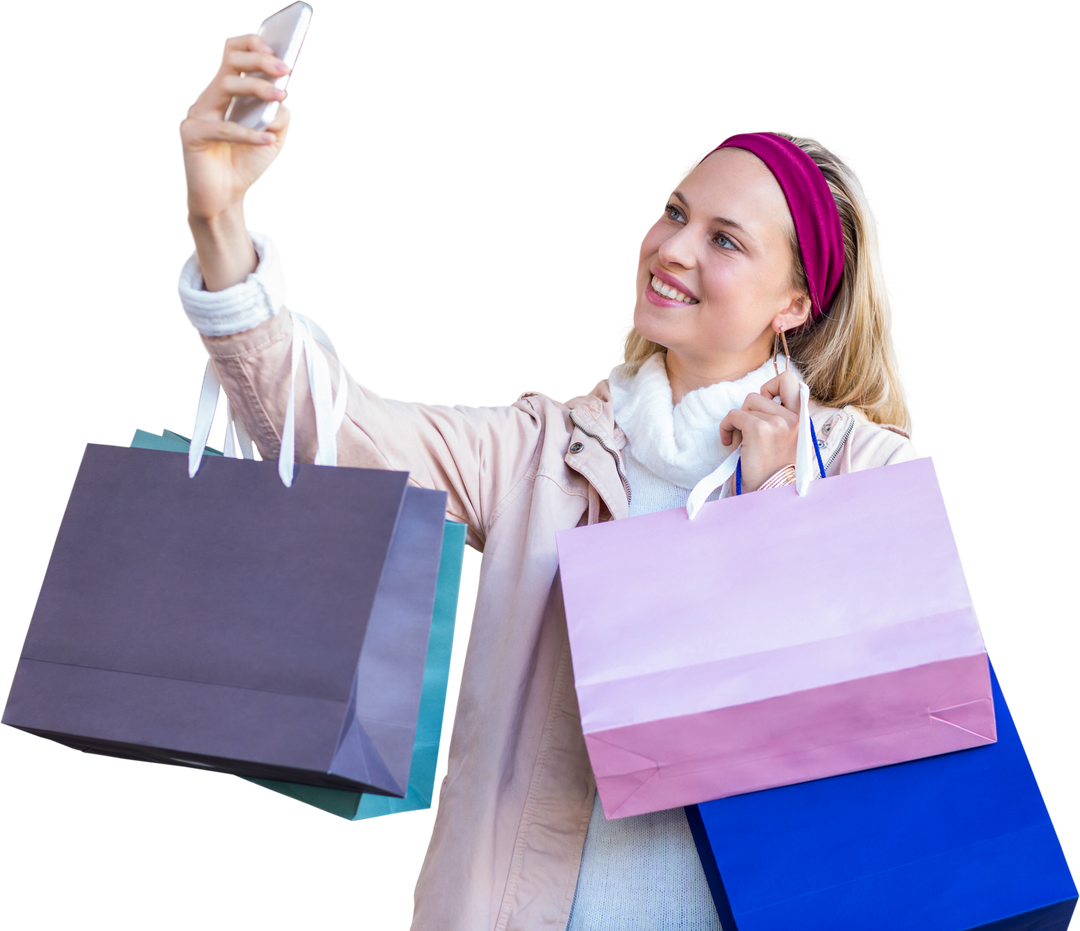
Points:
point(687, 374)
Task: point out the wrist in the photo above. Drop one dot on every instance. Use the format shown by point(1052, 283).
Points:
point(224, 248)
point(784, 476)
point(220, 223)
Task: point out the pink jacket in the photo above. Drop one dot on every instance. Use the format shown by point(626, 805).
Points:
point(515, 804)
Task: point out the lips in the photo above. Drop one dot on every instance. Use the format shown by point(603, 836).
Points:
point(671, 281)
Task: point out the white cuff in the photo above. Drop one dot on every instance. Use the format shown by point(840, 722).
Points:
point(243, 306)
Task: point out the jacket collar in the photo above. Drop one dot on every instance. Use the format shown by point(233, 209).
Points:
point(598, 459)
point(594, 410)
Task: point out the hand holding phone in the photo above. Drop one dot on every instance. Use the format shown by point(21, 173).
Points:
point(232, 134)
point(284, 32)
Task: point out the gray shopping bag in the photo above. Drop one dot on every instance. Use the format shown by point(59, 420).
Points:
point(220, 621)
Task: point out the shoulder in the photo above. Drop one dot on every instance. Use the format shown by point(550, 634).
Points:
point(874, 445)
point(849, 442)
point(595, 400)
point(596, 408)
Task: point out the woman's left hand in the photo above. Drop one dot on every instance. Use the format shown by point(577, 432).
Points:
point(768, 431)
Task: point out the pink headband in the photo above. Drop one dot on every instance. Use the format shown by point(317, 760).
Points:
point(817, 221)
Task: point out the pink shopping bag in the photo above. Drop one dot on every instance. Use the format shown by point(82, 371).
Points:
point(772, 639)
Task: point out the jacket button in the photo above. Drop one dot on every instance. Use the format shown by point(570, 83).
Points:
point(576, 448)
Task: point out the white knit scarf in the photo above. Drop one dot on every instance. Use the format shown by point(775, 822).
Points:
point(680, 442)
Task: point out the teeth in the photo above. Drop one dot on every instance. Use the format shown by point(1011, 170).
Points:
point(670, 293)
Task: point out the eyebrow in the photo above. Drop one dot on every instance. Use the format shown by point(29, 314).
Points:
point(723, 221)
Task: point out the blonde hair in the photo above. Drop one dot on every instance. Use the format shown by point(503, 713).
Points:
point(846, 356)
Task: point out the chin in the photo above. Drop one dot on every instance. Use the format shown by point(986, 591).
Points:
point(647, 324)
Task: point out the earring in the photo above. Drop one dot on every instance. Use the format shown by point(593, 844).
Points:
point(777, 337)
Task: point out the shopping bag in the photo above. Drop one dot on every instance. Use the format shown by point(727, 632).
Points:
point(352, 805)
point(959, 842)
point(215, 612)
point(220, 621)
point(434, 701)
point(775, 637)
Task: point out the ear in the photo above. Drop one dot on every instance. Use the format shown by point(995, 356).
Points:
point(794, 315)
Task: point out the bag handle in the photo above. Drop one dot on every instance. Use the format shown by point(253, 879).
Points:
point(804, 461)
point(329, 411)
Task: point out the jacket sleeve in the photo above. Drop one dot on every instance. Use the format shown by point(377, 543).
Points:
point(478, 456)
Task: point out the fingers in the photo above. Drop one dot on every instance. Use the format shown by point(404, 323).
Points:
point(769, 409)
point(278, 129)
point(789, 391)
point(280, 126)
point(194, 133)
point(251, 53)
point(237, 62)
point(205, 119)
point(235, 85)
point(757, 421)
point(746, 422)
point(244, 58)
point(786, 386)
point(248, 43)
point(731, 433)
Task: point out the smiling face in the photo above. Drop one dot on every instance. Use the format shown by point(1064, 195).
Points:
point(715, 272)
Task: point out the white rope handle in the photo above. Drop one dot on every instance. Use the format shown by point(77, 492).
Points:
point(329, 411)
point(804, 462)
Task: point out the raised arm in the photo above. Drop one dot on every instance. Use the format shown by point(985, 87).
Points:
point(233, 292)
point(222, 160)
point(477, 454)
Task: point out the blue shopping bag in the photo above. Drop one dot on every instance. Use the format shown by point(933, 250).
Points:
point(960, 842)
point(357, 806)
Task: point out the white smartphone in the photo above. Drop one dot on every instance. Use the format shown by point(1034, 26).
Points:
point(284, 32)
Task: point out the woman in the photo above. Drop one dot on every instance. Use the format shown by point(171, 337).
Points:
point(749, 248)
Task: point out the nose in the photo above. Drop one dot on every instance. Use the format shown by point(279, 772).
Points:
point(678, 249)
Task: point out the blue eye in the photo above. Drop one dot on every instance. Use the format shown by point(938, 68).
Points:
point(672, 211)
point(724, 243)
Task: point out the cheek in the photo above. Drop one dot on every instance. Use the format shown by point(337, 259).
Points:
point(650, 245)
point(721, 284)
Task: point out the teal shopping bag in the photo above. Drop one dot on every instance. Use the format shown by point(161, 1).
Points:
point(353, 805)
